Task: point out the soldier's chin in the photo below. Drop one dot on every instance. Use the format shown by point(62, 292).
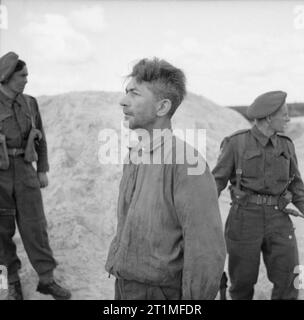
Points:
point(20, 90)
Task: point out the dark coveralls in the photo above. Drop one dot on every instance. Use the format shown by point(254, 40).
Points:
point(20, 196)
point(253, 227)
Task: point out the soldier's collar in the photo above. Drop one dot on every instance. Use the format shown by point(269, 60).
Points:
point(6, 99)
point(259, 135)
point(20, 99)
point(274, 139)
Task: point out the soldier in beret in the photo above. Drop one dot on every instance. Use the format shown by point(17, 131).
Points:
point(261, 165)
point(22, 141)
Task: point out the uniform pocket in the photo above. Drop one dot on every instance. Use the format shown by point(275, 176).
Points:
point(5, 116)
point(284, 249)
point(251, 162)
point(244, 224)
point(281, 166)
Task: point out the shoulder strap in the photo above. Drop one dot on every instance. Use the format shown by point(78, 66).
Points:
point(236, 133)
point(29, 106)
point(240, 145)
point(1, 125)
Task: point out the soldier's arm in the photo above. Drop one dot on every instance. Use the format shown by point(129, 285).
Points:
point(225, 165)
point(41, 148)
point(196, 203)
point(297, 186)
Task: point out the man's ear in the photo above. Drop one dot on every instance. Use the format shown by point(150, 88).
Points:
point(268, 119)
point(163, 108)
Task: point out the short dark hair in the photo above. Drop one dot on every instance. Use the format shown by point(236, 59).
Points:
point(167, 81)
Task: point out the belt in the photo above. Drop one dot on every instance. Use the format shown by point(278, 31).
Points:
point(265, 199)
point(14, 152)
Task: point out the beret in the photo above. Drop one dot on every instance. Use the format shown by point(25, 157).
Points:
point(266, 104)
point(8, 64)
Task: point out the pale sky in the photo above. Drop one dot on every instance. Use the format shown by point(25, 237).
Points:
point(230, 51)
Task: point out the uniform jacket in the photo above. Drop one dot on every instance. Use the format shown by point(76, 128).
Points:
point(15, 124)
point(267, 165)
point(169, 230)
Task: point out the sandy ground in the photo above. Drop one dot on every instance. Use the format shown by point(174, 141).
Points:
point(80, 202)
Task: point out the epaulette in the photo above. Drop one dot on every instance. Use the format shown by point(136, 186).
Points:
point(27, 95)
point(284, 136)
point(235, 134)
point(239, 132)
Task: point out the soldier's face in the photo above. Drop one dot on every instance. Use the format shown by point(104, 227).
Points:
point(18, 81)
point(139, 106)
point(280, 119)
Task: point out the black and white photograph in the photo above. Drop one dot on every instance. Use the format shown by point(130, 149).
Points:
point(151, 150)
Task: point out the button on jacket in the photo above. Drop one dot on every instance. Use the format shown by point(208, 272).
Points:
point(169, 230)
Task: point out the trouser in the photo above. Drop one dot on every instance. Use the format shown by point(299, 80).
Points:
point(133, 290)
point(21, 203)
point(253, 229)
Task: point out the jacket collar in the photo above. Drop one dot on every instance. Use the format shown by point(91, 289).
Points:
point(149, 146)
point(8, 101)
point(263, 140)
point(5, 99)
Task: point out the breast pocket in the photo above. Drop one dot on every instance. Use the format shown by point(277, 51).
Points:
point(252, 161)
point(281, 166)
point(3, 117)
point(5, 124)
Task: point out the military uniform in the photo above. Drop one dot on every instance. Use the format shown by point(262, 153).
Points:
point(20, 196)
point(22, 141)
point(256, 223)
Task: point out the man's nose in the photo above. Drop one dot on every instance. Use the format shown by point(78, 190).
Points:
point(124, 101)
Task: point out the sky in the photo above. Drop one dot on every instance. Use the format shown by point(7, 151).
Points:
point(230, 51)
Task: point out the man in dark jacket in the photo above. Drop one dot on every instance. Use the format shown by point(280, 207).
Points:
point(22, 142)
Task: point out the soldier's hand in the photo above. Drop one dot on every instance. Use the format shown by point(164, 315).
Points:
point(43, 179)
